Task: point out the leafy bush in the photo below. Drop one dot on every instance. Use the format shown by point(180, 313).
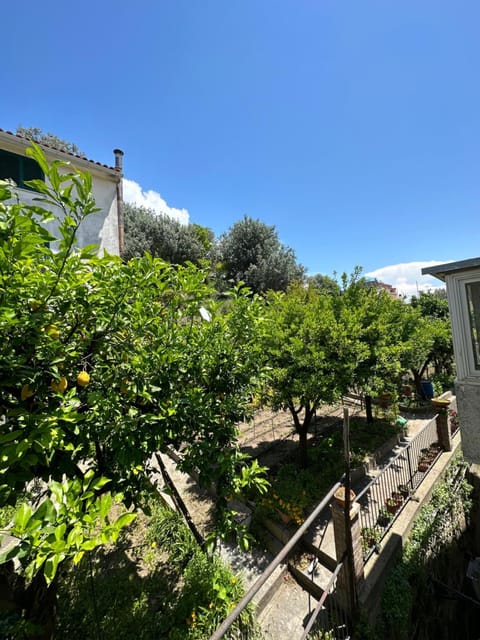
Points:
point(185, 594)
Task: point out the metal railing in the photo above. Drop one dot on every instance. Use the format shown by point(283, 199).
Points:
point(384, 497)
point(329, 616)
point(248, 597)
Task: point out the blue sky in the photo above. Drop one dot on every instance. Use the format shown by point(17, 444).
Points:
point(353, 127)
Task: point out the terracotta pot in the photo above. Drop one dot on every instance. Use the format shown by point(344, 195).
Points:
point(284, 517)
point(339, 496)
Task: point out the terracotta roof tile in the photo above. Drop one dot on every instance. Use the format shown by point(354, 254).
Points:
point(67, 153)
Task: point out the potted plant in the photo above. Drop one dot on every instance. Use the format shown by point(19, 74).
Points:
point(370, 537)
point(392, 505)
point(404, 491)
point(454, 421)
point(424, 460)
point(384, 518)
point(385, 399)
point(398, 498)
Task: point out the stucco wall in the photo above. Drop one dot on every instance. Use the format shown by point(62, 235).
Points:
point(99, 228)
point(468, 403)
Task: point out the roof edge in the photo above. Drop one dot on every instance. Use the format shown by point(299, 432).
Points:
point(23, 141)
point(440, 271)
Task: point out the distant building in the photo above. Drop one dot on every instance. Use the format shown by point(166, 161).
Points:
point(381, 286)
point(104, 228)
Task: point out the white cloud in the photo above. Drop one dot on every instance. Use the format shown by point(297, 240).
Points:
point(407, 277)
point(133, 194)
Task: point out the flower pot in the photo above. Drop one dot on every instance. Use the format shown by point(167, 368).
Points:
point(404, 491)
point(384, 518)
point(339, 496)
point(284, 517)
point(392, 506)
point(397, 497)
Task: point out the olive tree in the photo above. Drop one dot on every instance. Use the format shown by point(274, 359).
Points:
point(164, 237)
point(252, 252)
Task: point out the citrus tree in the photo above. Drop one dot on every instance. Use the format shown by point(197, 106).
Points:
point(102, 364)
point(313, 345)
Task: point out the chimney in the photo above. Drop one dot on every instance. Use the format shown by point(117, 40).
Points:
point(118, 159)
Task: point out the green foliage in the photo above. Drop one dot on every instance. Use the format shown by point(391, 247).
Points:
point(168, 530)
point(425, 340)
point(320, 345)
point(187, 594)
point(162, 370)
point(431, 304)
point(438, 524)
point(164, 237)
point(324, 283)
point(251, 252)
point(312, 350)
point(295, 491)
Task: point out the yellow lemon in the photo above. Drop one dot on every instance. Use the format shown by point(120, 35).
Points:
point(26, 392)
point(83, 379)
point(52, 331)
point(60, 386)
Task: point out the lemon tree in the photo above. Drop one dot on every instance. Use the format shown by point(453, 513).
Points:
point(102, 364)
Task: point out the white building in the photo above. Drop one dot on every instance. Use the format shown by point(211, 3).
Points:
point(104, 228)
point(463, 290)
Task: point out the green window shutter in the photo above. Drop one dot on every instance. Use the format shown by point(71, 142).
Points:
point(18, 168)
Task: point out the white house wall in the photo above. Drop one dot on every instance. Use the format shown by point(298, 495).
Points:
point(99, 228)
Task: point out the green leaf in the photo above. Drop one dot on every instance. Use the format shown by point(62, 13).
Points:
point(99, 483)
point(124, 520)
point(50, 567)
point(22, 516)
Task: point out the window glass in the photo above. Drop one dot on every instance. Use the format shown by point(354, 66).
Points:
point(473, 301)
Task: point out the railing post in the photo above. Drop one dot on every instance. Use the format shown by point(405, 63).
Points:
point(344, 581)
point(443, 428)
point(410, 470)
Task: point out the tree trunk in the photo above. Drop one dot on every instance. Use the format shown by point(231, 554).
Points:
point(303, 447)
point(417, 380)
point(368, 409)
